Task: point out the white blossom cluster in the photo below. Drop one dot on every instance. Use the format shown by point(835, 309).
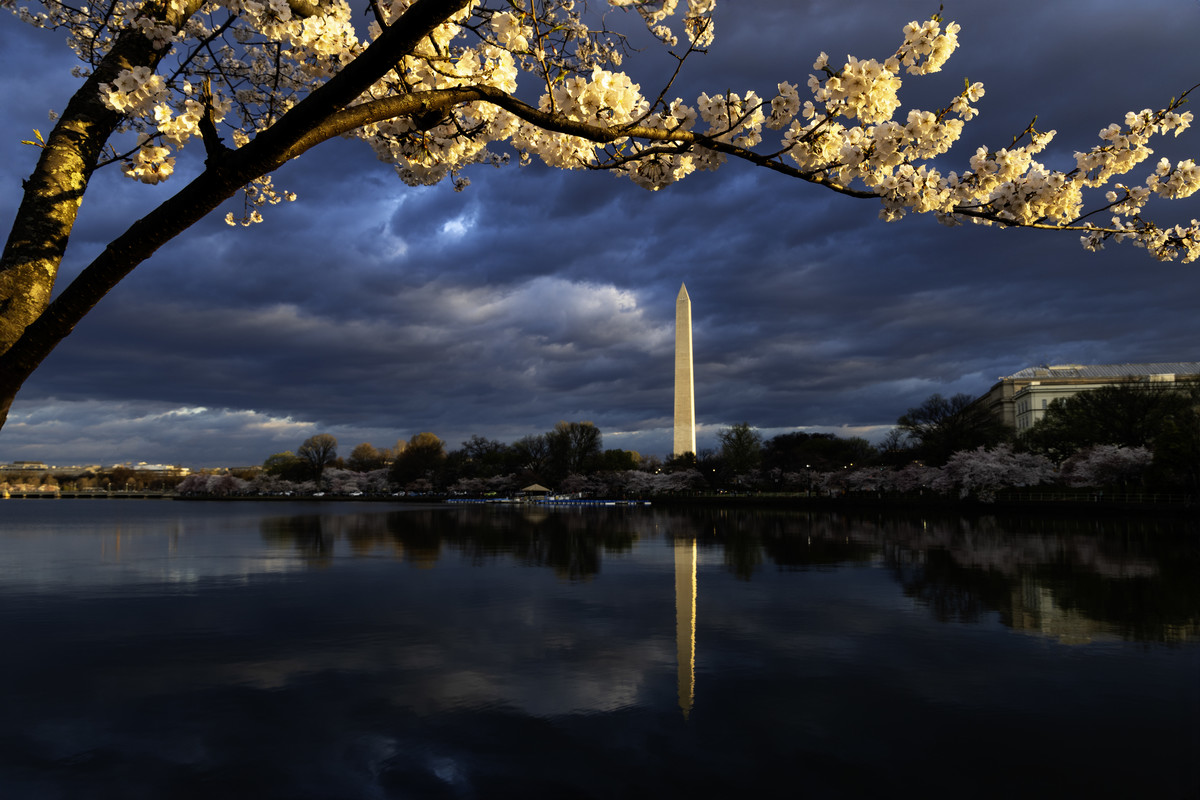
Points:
point(133, 91)
point(256, 59)
point(150, 163)
point(978, 473)
point(697, 19)
point(1106, 465)
point(258, 194)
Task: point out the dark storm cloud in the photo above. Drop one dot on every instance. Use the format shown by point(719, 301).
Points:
point(373, 310)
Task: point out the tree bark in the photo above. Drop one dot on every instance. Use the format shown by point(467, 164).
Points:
point(55, 190)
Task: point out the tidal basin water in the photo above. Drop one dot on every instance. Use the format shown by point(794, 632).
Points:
point(157, 649)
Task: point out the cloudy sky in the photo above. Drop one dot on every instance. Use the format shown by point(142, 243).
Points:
point(373, 311)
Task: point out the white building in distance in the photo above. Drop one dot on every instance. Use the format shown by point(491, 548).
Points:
point(1021, 399)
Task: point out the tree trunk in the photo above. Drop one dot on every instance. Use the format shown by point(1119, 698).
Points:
point(54, 192)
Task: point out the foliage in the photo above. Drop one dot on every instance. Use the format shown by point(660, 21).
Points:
point(896, 448)
point(798, 451)
point(1128, 415)
point(1107, 465)
point(316, 453)
point(978, 473)
point(483, 457)
point(682, 461)
point(572, 447)
point(419, 462)
point(218, 485)
point(286, 466)
point(504, 485)
point(981, 472)
point(741, 449)
point(618, 460)
point(940, 427)
point(366, 458)
point(646, 484)
point(588, 485)
point(1177, 445)
point(484, 467)
point(529, 453)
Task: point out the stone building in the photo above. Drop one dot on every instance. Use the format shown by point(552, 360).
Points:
point(1021, 399)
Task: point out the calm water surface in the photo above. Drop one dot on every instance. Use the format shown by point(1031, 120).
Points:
point(158, 649)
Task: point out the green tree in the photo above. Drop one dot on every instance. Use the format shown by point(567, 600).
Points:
point(1176, 445)
point(285, 465)
point(1132, 414)
point(618, 460)
point(421, 460)
point(366, 458)
point(123, 478)
point(317, 453)
point(940, 427)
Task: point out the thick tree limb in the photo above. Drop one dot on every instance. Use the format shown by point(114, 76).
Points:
point(55, 190)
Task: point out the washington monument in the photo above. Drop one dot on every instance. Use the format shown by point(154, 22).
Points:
point(685, 403)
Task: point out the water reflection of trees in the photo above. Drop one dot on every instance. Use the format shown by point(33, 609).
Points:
point(1074, 579)
point(571, 544)
point(308, 535)
point(748, 537)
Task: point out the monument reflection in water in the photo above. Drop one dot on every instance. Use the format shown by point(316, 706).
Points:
point(176, 650)
point(685, 622)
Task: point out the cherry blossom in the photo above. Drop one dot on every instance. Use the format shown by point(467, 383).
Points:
point(260, 59)
point(1107, 465)
point(982, 472)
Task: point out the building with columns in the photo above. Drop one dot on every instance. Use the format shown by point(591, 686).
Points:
point(1021, 399)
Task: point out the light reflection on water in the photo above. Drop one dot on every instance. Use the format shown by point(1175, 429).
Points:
point(162, 649)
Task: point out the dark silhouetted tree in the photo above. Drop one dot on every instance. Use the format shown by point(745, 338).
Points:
point(529, 453)
point(1132, 414)
point(618, 460)
point(940, 427)
point(796, 451)
point(573, 447)
point(741, 449)
point(484, 458)
point(317, 453)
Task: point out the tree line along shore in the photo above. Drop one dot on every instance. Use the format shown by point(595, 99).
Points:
point(1133, 440)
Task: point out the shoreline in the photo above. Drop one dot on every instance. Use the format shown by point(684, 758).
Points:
point(1050, 503)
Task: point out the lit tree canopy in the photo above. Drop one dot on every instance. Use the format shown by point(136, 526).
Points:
point(435, 86)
